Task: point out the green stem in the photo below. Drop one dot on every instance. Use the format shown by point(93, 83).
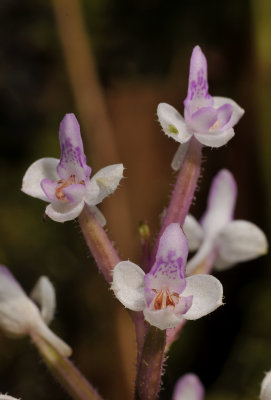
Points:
point(98, 243)
point(65, 372)
point(150, 369)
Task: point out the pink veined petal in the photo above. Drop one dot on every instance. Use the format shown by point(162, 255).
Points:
point(202, 120)
point(224, 114)
point(216, 138)
point(44, 168)
point(221, 203)
point(173, 123)
point(197, 95)
point(238, 112)
point(207, 294)
point(169, 267)
point(62, 212)
point(162, 319)
point(128, 285)
point(49, 188)
point(73, 159)
point(74, 193)
point(188, 387)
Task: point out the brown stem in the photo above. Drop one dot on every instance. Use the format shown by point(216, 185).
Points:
point(184, 189)
point(75, 384)
point(150, 369)
point(98, 243)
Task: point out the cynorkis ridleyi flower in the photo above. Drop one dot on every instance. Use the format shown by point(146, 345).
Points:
point(164, 294)
point(232, 241)
point(19, 315)
point(188, 387)
point(66, 183)
point(209, 119)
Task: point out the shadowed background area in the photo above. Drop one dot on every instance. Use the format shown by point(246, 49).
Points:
point(111, 63)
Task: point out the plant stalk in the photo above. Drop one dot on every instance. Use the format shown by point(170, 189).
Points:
point(63, 370)
point(150, 369)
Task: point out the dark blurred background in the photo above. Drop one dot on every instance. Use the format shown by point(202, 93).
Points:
point(111, 63)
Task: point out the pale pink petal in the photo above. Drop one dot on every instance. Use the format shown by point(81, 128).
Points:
point(238, 112)
point(188, 387)
point(202, 120)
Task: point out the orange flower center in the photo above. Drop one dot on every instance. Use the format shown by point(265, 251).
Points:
point(61, 184)
point(164, 299)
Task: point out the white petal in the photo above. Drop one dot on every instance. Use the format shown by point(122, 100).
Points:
point(162, 319)
point(128, 285)
point(7, 397)
point(42, 329)
point(188, 387)
point(193, 232)
point(173, 123)
point(266, 387)
point(44, 295)
point(216, 138)
point(221, 203)
point(98, 215)
point(20, 316)
point(179, 156)
point(17, 311)
point(205, 249)
point(238, 112)
point(207, 294)
point(107, 180)
point(239, 241)
point(39, 170)
point(62, 212)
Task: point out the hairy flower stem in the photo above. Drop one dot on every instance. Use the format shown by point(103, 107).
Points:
point(65, 372)
point(184, 189)
point(98, 243)
point(150, 367)
point(106, 258)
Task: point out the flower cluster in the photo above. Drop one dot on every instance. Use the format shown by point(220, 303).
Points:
point(164, 294)
point(209, 119)
point(66, 183)
point(170, 290)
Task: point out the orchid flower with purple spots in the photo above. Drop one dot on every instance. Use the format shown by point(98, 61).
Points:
point(209, 119)
point(66, 183)
point(230, 241)
point(188, 387)
point(164, 294)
